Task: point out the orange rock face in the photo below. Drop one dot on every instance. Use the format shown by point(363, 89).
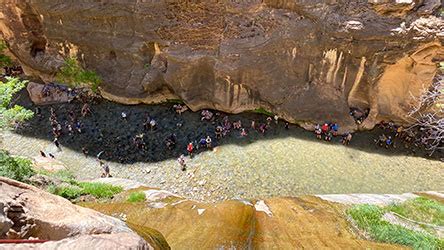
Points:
point(276, 223)
point(307, 61)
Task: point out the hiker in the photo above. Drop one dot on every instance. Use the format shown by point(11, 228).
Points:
point(276, 118)
point(218, 131)
point(346, 138)
point(253, 124)
point(328, 136)
point(262, 128)
point(190, 149)
point(181, 161)
point(179, 108)
point(79, 127)
point(153, 124)
point(124, 116)
point(243, 132)
point(325, 128)
point(287, 125)
point(381, 140)
point(269, 119)
point(85, 151)
point(38, 111)
point(203, 142)
point(334, 127)
point(57, 144)
point(318, 131)
point(69, 127)
point(105, 169)
point(206, 115)
point(388, 142)
point(146, 124)
point(85, 110)
point(208, 141)
point(42, 153)
point(51, 155)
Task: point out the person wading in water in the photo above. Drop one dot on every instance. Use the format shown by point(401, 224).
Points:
point(182, 163)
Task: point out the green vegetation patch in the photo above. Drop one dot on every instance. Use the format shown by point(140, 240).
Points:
point(100, 190)
point(263, 111)
point(175, 101)
point(421, 209)
point(136, 197)
point(369, 219)
point(16, 168)
point(16, 114)
point(74, 75)
point(77, 189)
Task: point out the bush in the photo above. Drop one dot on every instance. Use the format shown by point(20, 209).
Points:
point(72, 74)
point(16, 168)
point(263, 112)
point(69, 192)
point(100, 190)
point(17, 114)
point(369, 219)
point(76, 189)
point(421, 209)
point(136, 197)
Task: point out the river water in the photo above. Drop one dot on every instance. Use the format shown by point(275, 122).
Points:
point(281, 163)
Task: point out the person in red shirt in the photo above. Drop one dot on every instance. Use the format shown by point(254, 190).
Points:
point(190, 148)
point(325, 128)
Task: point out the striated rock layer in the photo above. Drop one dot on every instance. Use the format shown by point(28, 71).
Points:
point(307, 61)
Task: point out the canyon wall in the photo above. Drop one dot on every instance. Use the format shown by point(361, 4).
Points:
point(307, 61)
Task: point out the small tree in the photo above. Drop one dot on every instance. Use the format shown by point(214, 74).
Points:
point(428, 116)
point(15, 115)
point(74, 75)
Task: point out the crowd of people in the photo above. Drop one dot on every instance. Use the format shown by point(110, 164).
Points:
point(139, 135)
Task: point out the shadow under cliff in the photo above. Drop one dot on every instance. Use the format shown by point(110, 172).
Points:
point(106, 131)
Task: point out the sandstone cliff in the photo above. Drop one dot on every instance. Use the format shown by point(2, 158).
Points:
point(308, 61)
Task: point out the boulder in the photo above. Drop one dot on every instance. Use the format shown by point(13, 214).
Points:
point(54, 96)
point(95, 241)
point(30, 213)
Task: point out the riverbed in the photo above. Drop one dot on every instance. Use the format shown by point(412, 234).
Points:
point(283, 162)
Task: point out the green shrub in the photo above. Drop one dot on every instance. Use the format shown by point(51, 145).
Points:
point(5, 61)
point(74, 189)
point(100, 190)
point(69, 192)
point(263, 112)
point(369, 219)
point(16, 114)
point(421, 209)
point(136, 197)
point(16, 168)
point(74, 75)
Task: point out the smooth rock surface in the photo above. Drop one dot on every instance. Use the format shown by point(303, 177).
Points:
point(40, 215)
point(99, 241)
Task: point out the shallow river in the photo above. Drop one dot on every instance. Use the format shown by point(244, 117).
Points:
point(282, 163)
